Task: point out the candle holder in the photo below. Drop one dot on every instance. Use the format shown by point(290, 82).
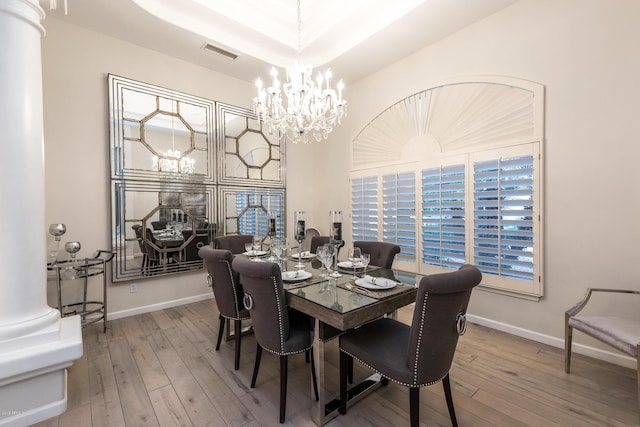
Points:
point(272, 233)
point(57, 231)
point(300, 229)
point(335, 237)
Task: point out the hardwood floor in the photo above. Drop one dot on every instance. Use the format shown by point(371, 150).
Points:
point(161, 369)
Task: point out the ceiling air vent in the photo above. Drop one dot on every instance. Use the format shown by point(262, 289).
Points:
point(219, 51)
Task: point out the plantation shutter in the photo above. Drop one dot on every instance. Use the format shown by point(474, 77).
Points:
point(364, 208)
point(399, 213)
point(503, 216)
point(443, 216)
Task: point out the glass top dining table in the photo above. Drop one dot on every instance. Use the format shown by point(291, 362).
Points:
point(338, 304)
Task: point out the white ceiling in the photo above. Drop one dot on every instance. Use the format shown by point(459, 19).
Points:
point(354, 38)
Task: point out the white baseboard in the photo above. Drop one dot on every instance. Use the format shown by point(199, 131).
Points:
point(160, 306)
point(596, 353)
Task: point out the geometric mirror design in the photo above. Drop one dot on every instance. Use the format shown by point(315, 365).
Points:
point(160, 134)
point(160, 227)
point(170, 169)
point(245, 210)
point(247, 154)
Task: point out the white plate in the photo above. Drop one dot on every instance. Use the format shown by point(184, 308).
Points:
point(376, 283)
point(295, 276)
point(255, 253)
point(305, 255)
point(349, 265)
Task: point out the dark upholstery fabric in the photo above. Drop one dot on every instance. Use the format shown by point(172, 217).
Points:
point(420, 354)
point(382, 254)
point(277, 329)
point(159, 225)
point(318, 241)
point(233, 243)
point(225, 284)
point(201, 239)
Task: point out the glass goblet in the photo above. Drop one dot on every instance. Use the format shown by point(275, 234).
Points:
point(365, 259)
point(248, 247)
point(354, 256)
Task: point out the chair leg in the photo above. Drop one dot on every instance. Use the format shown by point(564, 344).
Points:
point(446, 384)
point(314, 379)
point(344, 362)
point(256, 367)
point(238, 333)
point(220, 332)
point(568, 336)
point(414, 406)
point(283, 386)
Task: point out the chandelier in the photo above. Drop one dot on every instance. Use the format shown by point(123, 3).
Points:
point(173, 162)
point(303, 110)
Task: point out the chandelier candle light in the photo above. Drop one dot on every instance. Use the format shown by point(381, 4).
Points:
point(302, 109)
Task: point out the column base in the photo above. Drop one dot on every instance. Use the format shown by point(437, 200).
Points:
point(33, 378)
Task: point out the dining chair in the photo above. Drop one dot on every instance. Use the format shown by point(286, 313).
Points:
point(154, 259)
point(137, 228)
point(318, 241)
point(419, 354)
point(622, 333)
point(382, 253)
point(233, 242)
point(278, 329)
point(228, 293)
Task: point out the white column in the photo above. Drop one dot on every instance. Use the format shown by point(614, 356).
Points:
point(35, 344)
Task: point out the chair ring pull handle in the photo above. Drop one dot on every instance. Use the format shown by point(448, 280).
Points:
point(210, 280)
point(461, 323)
point(247, 301)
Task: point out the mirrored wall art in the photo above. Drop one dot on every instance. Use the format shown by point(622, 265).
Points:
point(248, 155)
point(159, 134)
point(177, 183)
point(245, 210)
point(159, 227)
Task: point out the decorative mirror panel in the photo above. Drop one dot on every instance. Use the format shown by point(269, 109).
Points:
point(245, 210)
point(160, 134)
point(168, 172)
point(159, 227)
point(248, 155)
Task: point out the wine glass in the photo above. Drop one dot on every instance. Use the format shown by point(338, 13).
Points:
point(354, 256)
point(248, 247)
point(276, 248)
point(323, 252)
point(257, 244)
point(365, 259)
point(327, 261)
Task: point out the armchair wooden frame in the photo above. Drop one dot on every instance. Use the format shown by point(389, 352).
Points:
point(569, 326)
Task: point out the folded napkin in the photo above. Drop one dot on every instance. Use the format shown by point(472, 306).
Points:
point(379, 281)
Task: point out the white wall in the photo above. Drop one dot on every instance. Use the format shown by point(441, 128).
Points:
point(585, 53)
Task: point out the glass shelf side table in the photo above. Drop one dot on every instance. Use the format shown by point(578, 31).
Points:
point(82, 269)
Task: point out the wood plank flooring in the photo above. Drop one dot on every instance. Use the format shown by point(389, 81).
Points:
point(161, 369)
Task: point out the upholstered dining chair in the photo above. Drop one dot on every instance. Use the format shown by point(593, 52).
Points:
point(228, 293)
point(277, 329)
point(622, 333)
point(318, 241)
point(419, 354)
point(382, 253)
point(137, 228)
point(233, 242)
